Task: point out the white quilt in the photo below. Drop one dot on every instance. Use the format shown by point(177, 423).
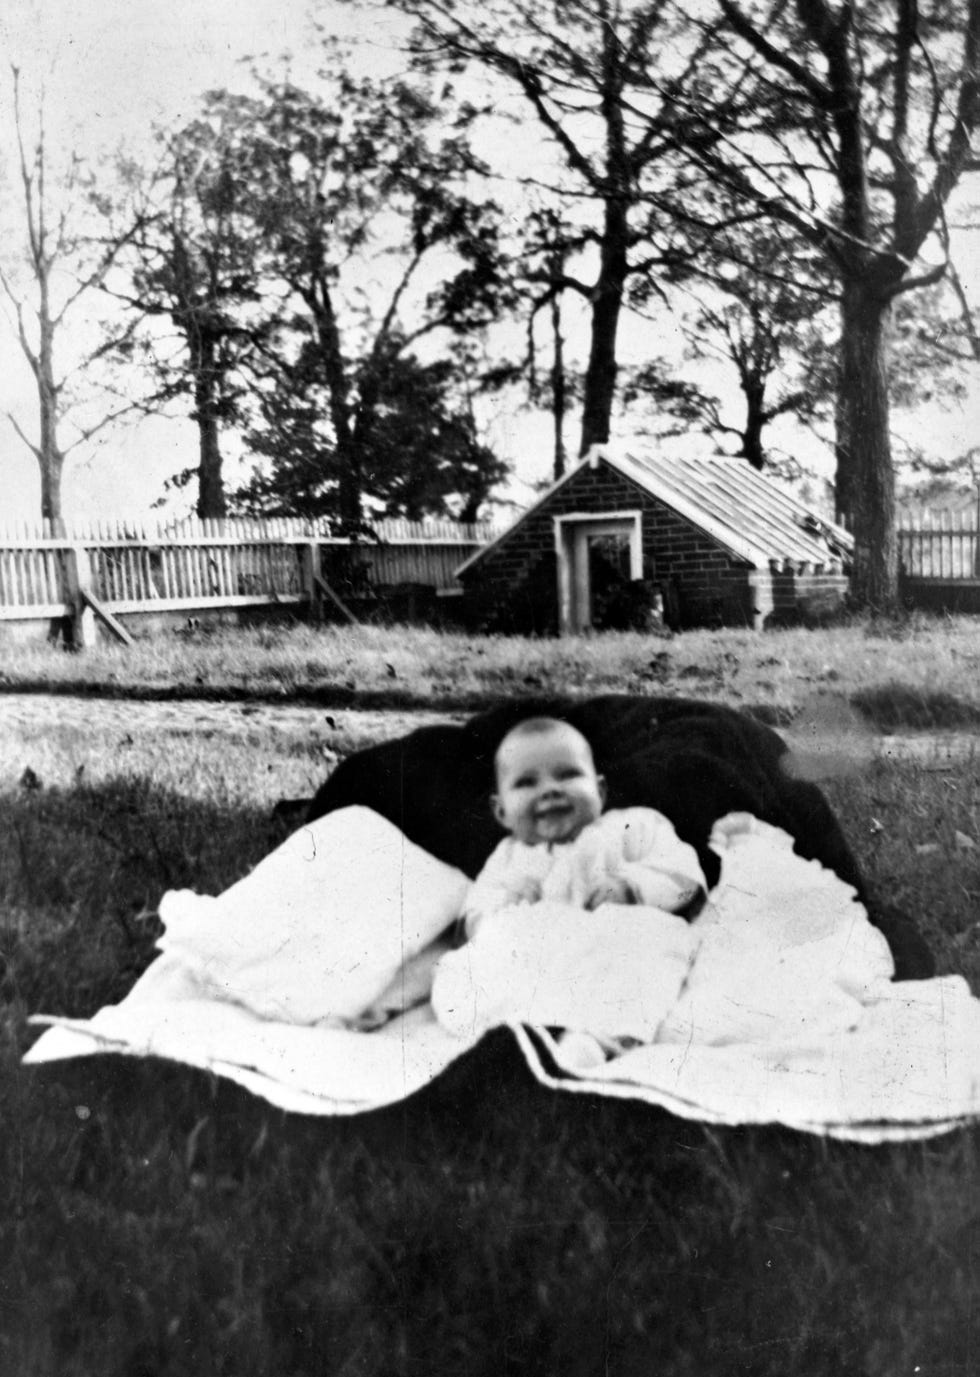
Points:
point(309, 982)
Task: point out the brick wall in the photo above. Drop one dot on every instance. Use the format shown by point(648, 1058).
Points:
point(707, 585)
point(514, 586)
point(809, 596)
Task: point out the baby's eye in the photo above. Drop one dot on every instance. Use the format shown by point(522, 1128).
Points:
point(570, 773)
point(523, 782)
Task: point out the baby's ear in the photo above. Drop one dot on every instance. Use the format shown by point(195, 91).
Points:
point(603, 789)
point(497, 809)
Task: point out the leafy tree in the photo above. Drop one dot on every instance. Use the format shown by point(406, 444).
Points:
point(194, 285)
point(298, 473)
point(877, 104)
point(424, 456)
point(363, 213)
point(549, 246)
point(538, 260)
point(767, 313)
point(298, 241)
point(933, 366)
point(583, 68)
point(757, 304)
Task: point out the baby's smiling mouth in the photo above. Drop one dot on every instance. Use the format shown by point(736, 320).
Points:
point(552, 813)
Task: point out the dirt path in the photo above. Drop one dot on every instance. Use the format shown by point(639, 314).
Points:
point(42, 712)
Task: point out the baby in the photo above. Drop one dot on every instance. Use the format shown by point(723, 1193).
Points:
point(562, 847)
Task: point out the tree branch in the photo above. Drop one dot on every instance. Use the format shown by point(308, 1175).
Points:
point(33, 361)
point(969, 324)
point(959, 155)
point(86, 433)
point(461, 39)
point(803, 77)
point(29, 443)
point(909, 284)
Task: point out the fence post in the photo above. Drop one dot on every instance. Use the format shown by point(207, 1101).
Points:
point(78, 575)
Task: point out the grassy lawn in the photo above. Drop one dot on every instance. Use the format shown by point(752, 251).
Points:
point(919, 672)
point(155, 1222)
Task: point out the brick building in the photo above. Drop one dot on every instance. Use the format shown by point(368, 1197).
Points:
point(711, 542)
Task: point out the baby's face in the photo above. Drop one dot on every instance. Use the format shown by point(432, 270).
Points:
point(547, 786)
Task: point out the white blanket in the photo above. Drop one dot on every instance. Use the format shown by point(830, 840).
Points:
point(308, 982)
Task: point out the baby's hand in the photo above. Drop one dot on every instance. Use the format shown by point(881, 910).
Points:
point(528, 892)
point(612, 891)
point(730, 828)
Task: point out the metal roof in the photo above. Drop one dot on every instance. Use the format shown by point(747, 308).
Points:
point(748, 514)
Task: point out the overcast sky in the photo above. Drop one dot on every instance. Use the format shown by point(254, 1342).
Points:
point(112, 69)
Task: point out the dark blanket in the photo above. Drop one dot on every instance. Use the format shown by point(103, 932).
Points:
point(692, 761)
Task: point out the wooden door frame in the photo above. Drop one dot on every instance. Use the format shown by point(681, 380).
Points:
point(571, 532)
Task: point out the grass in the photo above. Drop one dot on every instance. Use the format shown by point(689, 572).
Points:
point(890, 670)
point(157, 1223)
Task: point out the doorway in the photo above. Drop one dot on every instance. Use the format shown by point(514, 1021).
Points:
point(598, 557)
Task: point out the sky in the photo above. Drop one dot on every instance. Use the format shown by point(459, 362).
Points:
point(112, 70)
point(114, 67)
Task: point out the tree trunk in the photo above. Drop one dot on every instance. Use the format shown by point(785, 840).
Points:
point(52, 465)
point(354, 451)
point(350, 478)
point(755, 422)
point(865, 473)
point(842, 459)
point(50, 458)
point(349, 493)
point(211, 502)
point(607, 301)
point(558, 390)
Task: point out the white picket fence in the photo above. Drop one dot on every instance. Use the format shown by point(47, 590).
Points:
point(132, 566)
point(390, 530)
point(939, 545)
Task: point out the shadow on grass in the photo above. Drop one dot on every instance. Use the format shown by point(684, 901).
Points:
point(159, 1221)
point(82, 871)
point(889, 708)
point(173, 1224)
point(325, 695)
point(892, 707)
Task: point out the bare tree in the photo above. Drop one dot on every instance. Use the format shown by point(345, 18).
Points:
point(582, 67)
point(62, 261)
